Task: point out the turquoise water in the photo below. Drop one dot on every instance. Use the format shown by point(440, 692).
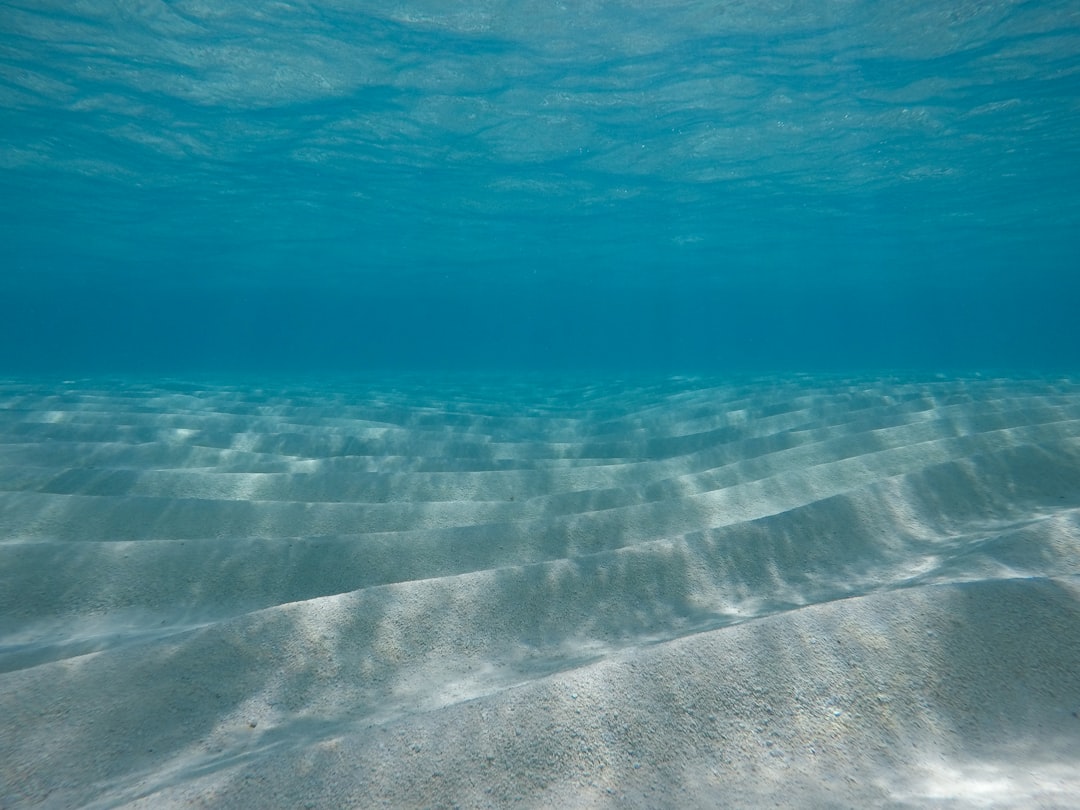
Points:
point(683, 186)
point(539, 403)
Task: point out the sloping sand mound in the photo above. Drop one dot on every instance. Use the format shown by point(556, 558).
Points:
point(795, 592)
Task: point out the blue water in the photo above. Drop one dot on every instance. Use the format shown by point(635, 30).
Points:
point(682, 186)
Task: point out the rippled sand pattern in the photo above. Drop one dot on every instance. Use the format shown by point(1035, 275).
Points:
point(807, 591)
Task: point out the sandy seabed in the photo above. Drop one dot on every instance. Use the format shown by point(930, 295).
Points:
point(796, 592)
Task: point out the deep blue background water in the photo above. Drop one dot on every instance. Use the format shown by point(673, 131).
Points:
point(678, 186)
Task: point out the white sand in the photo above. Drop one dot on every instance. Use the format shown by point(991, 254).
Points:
point(795, 593)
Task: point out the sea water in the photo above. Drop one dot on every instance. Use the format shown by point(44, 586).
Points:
point(217, 185)
point(539, 403)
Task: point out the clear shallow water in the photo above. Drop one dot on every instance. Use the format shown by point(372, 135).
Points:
point(681, 186)
point(274, 251)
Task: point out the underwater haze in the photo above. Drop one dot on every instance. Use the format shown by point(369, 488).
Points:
point(519, 184)
point(586, 404)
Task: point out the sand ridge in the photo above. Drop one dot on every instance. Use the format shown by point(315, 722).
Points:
point(810, 591)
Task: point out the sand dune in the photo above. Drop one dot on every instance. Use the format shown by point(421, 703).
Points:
point(805, 592)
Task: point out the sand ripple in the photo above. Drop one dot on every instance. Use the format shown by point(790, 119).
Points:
point(197, 579)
